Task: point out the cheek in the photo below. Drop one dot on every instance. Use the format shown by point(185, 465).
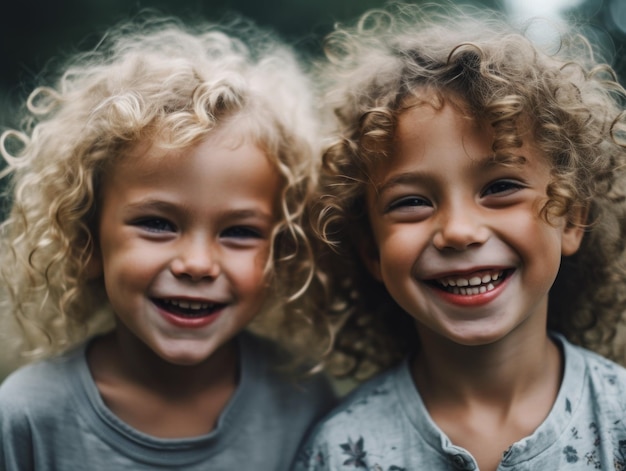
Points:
point(537, 243)
point(547, 248)
point(534, 233)
point(129, 267)
point(400, 259)
point(250, 272)
point(401, 247)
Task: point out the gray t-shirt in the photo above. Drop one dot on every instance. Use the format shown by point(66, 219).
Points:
point(52, 418)
point(384, 426)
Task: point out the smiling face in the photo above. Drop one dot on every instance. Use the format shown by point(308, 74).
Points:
point(459, 240)
point(183, 242)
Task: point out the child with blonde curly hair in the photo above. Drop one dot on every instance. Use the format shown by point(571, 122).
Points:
point(476, 197)
point(157, 192)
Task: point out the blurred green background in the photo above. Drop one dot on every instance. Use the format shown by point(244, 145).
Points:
point(35, 32)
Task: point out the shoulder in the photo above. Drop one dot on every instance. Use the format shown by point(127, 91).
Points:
point(366, 415)
point(603, 380)
point(261, 350)
point(275, 408)
point(600, 370)
point(38, 387)
point(377, 397)
point(590, 414)
point(266, 368)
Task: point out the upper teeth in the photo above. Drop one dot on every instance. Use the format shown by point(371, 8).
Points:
point(472, 281)
point(188, 304)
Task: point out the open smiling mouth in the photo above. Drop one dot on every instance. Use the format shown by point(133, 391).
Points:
point(188, 309)
point(476, 283)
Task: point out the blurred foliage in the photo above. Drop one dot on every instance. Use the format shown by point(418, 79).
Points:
point(35, 34)
point(606, 20)
point(38, 31)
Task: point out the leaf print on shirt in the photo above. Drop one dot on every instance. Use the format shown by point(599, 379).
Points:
point(378, 467)
point(319, 460)
point(313, 459)
point(592, 459)
point(622, 449)
point(355, 452)
point(592, 456)
point(571, 455)
point(620, 459)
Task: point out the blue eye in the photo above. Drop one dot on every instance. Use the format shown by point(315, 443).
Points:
point(241, 232)
point(502, 187)
point(155, 224)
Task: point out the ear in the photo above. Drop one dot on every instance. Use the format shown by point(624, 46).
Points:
point(370, 256)
point(574, 230)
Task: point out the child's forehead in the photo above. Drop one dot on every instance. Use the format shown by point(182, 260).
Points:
point(433, 131)
point(159, 149)
point(213, 158)
point(427, 111)
point(431, 119)
point(430, 100)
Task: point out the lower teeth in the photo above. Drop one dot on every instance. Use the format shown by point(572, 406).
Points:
point(471, 291)
point(187, 312)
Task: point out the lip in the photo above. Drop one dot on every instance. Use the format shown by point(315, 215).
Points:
point(191, 322)
point(471, 300)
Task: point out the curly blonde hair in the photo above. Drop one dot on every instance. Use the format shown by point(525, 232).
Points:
point(573, 104)
point(151, 79)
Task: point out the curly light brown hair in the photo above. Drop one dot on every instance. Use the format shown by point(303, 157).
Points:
point(564, 100)
point(149, 80)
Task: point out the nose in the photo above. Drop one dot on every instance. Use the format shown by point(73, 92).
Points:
point(196, 259)
point(461, 226)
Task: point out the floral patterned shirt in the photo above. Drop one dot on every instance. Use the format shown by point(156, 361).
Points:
point(384, 426)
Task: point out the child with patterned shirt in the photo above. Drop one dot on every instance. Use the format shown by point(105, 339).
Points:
point(476, 197)
point(157, 195)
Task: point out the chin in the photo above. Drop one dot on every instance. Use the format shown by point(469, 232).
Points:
point(184, 358)
point(476, 337)
point(186, 361)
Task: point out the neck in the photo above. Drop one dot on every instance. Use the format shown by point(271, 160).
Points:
point(485, 398)
point(157, 397)
point(498, 373)
point(120, 355)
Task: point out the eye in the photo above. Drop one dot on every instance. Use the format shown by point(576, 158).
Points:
point(409, 203)
point(502, 188)
point(241, 232)
point(155, 224)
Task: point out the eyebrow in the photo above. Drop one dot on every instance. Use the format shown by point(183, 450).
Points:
point(249, 213)
point(150, 204)
point(417, 177)
point(159, 205)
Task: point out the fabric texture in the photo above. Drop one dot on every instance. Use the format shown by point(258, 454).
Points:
point(53, 418)
point(384, 426)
